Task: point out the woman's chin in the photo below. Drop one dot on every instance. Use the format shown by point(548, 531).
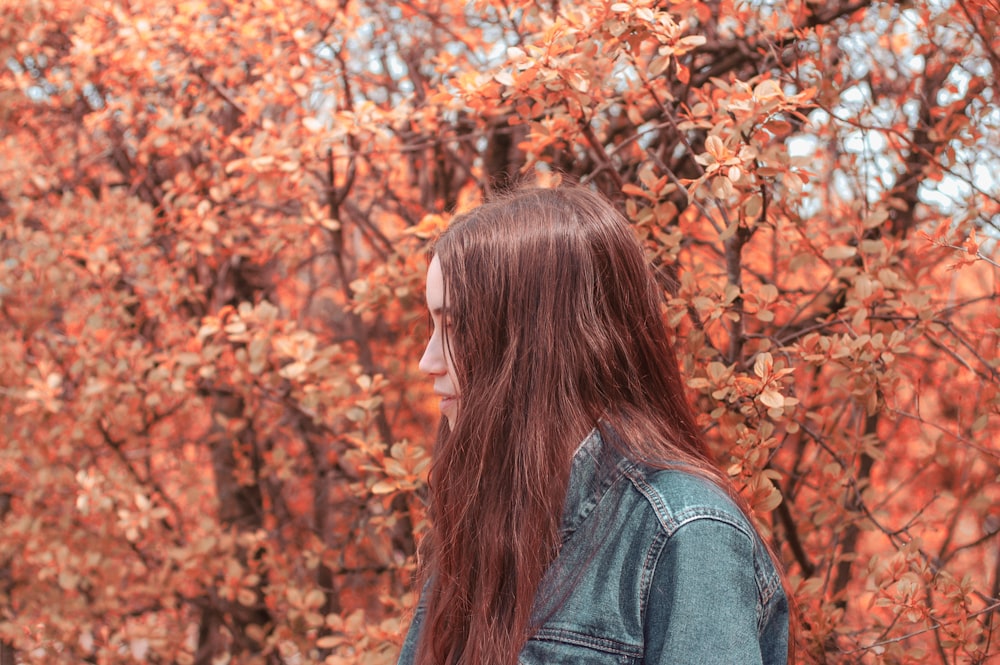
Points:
point(450, 412)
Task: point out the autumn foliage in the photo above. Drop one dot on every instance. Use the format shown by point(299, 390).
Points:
point(215, 217)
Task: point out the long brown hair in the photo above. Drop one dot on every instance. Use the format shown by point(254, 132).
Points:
point(555, 327)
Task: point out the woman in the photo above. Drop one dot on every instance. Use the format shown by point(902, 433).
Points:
point(577, 517)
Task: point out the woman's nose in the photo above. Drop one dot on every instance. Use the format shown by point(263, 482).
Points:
point(432, 362)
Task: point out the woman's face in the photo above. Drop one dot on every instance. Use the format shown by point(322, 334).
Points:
point(437, 361)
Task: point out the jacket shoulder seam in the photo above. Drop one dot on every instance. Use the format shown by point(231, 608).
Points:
point(672, 519)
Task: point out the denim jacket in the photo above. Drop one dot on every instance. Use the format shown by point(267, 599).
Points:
point(656, 566)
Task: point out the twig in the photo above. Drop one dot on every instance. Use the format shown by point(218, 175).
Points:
point(936, 626)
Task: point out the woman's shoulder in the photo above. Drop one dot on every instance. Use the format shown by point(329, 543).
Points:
point(678, 496)
point(695, 514)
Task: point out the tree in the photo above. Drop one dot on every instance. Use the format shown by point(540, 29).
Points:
point(216, 222)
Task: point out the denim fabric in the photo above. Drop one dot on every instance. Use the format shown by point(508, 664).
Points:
point(656, 566)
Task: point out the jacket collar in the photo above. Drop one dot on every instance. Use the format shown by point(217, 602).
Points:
point(596, 466)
